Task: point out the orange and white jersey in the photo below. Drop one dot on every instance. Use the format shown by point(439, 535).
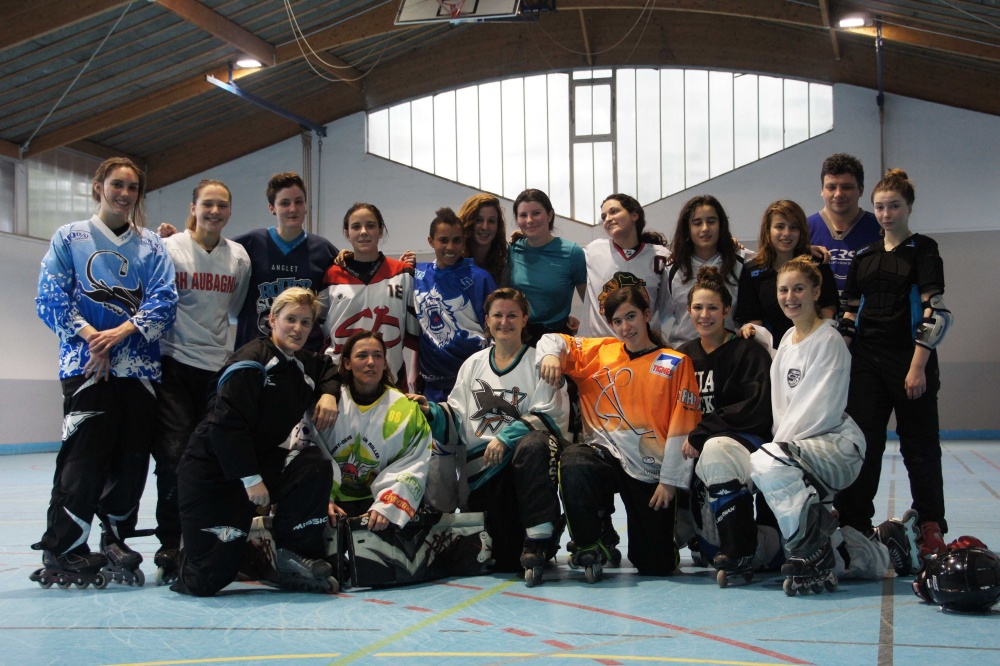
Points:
point(640, 409)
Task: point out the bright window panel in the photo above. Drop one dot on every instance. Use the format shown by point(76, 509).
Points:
point(602, 109)
point(647, 133)
point(745, 139)
point(796, 112)
point(672, 151)
point(696, 127)
point(536, 133)
point(604, 179)
point(583, 181)
point(559, 156)
point(771, 107)
point(490, 146)
point(584, 110)
point(7, 198)
point(820, 109)
point(445, 136)
point(720, 122)
point(603, 73)
point(400, 148)
point(467, 134)
point(512, 102)
point(626, 130)
point(422, 127)
point(378, 133)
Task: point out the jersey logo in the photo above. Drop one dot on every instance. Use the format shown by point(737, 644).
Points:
point(437, 317)
point(664, 365)
point(618, 280)
point(608, 406)
point(267, 292)
point(104, 269)
point(225, 533)
point(497, 407)
point(72, 421)
point(381, 319)
point(358, 469)
point(794, 377)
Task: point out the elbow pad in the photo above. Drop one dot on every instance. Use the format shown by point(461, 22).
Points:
point(932, 329)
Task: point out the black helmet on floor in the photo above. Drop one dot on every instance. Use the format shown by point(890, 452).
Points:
point(966, 580)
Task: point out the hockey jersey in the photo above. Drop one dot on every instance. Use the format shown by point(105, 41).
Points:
point(90, 276)
point(675, 312)
point(506, 404)
point(276, 265)
point(734, 382)
point(211, 288)
point(809, 383)
point(448, 303)
point(864, 232)
point(640, 410)
point(383, 306)
point(608, 268)
point(381, 451)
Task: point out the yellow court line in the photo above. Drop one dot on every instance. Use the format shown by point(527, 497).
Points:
point(578, 655)
point(423, 623)
point(222, 660)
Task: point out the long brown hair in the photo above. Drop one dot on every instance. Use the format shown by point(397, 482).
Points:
point(682, 247)
point(632, 205)
point(766, 255)
point(633, 296)
point(137, 218)
point(496, 256)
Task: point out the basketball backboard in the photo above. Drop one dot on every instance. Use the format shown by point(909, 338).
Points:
point(432, 11)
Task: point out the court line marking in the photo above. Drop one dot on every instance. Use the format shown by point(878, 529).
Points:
point(576, 655)
point(222, 660)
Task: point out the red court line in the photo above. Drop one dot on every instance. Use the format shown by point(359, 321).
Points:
point(559, 644)
point(418, 609)
point(380, 601)
point(986, 460)
point(665, 625)
point(464, 587)
point(517, 632)
point(472, 620)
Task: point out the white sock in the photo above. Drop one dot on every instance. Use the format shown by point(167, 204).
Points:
point(543, 531)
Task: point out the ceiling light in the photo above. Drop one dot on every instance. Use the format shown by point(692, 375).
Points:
point(247, 63)
point(854, 22)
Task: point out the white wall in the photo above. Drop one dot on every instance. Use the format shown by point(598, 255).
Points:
point(950, 154)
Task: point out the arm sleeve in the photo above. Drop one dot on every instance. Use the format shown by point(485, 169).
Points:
point(746, 398)
point(234, 419)
point(56, 282)
point(399, 488)
point(239, 294)
point(578, 262)
point(748, 306)
point(684, 416)
point(930, 268)
point(821, 396)
point(828, 296)
point(158, 309)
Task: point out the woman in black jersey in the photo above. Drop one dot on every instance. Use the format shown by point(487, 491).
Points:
point(895, 318)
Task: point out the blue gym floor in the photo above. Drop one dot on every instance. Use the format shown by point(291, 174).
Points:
point(625, 619)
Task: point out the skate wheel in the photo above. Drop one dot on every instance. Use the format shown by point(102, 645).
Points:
point(100, 581)
point(45, 583)
point(529, 577)
point(593, 573)
point(789, 587)
point(161, 576)
point(140, 578)
point(616, 558)
point(816, 588)
point(334, 585)
point(748, 578)
point(722, 579)
point(830, 584)
point(81, 584)
point(63, 584)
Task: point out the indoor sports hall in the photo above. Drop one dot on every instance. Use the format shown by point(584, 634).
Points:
point(417, 104)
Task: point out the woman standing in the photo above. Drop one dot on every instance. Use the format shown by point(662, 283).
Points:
point(370, 292)
point(734, 382)
point(894, 321)
point(784, 235)
point(543, 267)
point(630, 255)
point(639, 402)
point(282, 256)
point(235, 460)
point(486, 235)
point(816, 449)
point(511, 423)
point(701, 238)
point(106, 288)
point(212, 275)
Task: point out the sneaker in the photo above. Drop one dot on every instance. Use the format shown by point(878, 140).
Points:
point(931, 541)
point(291, 562)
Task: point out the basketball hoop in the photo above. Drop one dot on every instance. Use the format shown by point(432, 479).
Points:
point(452, 7)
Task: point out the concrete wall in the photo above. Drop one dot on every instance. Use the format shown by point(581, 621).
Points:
point(949, 153)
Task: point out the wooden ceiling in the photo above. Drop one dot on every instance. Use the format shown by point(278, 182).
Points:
point(145, 93)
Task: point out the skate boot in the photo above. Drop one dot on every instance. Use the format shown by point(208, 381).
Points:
point(123, 562)
point(730, 567)
point(166, 561)
point(591, 559)
point(533, 559)
point(811, 572)
point(80, 567)
point(295, 572)
point(931, 541)
point(900, 536)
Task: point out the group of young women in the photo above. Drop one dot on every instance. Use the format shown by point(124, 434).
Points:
point(707, 411)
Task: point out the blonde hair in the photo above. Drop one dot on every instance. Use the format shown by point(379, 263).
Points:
point(296, 296)
point(192, 219)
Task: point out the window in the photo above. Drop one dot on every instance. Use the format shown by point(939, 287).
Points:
point(59, 190)
point(583, 135)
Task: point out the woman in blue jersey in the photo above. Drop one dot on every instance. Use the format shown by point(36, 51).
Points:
point(106, 288)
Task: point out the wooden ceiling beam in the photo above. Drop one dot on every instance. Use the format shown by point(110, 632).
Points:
point(933, 41)
point(102, 152)
point(824, 12)
point(8, 149)
point(216, 24)
point(586, 39)
point(22, 22)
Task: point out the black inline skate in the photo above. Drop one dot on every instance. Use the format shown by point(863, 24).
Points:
point(296, 572)
point(592, 559)
point(123, 562)
point(812, 572)
point(81, 568)
point(731, 567)
point(538, 552)
point(167, 564)
point(900, 536)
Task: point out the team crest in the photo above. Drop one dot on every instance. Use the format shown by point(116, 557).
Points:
point(225, 533)
point(497, 407)
point(618, 280)
point(108, 273)
point(440, 323)
point(358, 468)
point(664, 365)
point(794, 377)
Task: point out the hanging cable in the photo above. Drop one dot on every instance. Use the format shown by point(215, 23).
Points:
point(27, 144)
point(648, 6)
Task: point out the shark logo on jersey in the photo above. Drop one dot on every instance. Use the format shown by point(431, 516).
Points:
point(438, 318)
point(72, 421)
point(794, 377)
point(225, 533)
point(105, 268)
point(497, 407)
point(608, 407)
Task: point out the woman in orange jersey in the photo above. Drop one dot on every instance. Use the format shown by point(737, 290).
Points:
point(639, 402)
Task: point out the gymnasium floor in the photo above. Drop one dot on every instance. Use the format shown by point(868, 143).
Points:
point(496, 619)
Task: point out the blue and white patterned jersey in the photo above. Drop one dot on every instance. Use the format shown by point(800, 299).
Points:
point(449, 305)
point(92, 277)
